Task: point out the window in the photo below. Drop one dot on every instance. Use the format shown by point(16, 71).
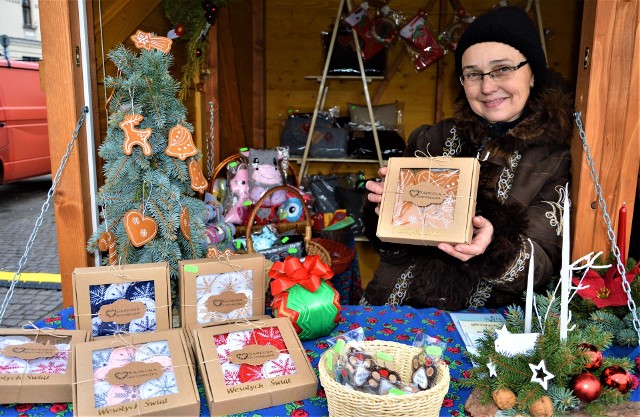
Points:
point(26, 13)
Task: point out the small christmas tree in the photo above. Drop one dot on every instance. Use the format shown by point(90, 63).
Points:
point(150, 211)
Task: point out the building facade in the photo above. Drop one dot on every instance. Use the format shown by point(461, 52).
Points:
point(20, 30)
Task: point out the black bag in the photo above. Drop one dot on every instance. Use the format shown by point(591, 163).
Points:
point(328, 141)
point(344, 60)
point(362, 145)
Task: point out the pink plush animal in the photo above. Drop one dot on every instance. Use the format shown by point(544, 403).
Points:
point(236, 210)
point(264, 174)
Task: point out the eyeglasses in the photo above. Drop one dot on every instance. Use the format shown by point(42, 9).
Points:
point(499, 74)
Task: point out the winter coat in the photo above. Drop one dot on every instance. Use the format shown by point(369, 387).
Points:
point(524, 169)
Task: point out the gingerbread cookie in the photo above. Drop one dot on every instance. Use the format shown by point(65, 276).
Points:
point(134, 136)
point(198, 181)
point(107, 242)
point(185, 227)
point(180, 143)
point(140, 229)
point(424, 371)
point(149, 41)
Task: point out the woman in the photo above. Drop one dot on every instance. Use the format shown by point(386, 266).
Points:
point(515, 117)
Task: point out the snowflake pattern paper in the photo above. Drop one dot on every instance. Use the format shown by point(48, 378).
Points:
point(106, 294)
point(433, 216)
point(56, 364)
point(104, 360)
point(207, 286)
point(235, 374)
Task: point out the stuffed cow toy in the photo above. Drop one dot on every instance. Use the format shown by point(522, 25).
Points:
point(265, 173)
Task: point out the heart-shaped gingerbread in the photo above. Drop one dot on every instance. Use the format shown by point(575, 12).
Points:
point(140, 229)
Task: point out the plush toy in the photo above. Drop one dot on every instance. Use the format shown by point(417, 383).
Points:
point(290, 210)
point(264, 174)
point(213, 212)
point(219, 234)
point(236, 208)
point(265, 215)
point(261, 241)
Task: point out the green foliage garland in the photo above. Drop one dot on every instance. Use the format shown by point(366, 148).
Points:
point(564, 359)
point(158, 185)
point(190, 14)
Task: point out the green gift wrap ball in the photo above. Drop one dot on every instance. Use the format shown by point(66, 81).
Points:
point(317, 312)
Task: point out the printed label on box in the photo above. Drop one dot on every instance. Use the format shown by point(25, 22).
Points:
point(134, 373)
point(254, 354)
point(226, 302)
point(122, 311)
point(29, 351)
point(424, 194)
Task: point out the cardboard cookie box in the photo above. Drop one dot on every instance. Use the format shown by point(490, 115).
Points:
point(36, 365)
point(110, 300)
point(429, 200)
point(252, 364)
point(213, 290)
point(142, 374)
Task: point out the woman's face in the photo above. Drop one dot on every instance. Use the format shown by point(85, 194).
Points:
point(496, 101)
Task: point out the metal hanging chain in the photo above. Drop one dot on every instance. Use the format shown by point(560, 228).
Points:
point(210, 139)
point(607, 221)
point(43, 210)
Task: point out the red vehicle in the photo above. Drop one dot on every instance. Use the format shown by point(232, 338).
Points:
point(24, 142)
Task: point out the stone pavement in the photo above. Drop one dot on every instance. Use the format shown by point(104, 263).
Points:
point(20, 206)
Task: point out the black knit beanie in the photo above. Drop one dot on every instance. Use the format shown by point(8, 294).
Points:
point(511, 26)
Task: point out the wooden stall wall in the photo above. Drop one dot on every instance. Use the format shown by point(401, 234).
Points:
point(294, 50)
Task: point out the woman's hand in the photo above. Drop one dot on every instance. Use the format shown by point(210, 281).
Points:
point(482, 237)
point(375, 188)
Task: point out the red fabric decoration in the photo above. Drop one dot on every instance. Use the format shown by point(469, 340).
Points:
point(292, 271)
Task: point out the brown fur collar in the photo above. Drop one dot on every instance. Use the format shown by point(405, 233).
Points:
point(548, 122)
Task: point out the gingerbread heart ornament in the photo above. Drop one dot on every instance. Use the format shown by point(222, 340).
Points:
point(198, 181)
point(184, 223)
point(180, 143)
point(140, 229)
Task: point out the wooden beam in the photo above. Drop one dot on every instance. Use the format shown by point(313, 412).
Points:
point(608, 96)
point(120, 18)
point(62, 75)
point(212, 93)
point(259, 136)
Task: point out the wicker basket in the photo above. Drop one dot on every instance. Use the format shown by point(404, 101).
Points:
point(344, 402)
point(312, 248)
point(341, 255)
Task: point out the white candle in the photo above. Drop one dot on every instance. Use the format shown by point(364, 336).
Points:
point(565, 271)
point(529, 304)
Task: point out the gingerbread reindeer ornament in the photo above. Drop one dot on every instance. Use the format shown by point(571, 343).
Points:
point(134, 136)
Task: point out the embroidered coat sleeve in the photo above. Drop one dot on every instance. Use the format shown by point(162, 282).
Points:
point(532, 210)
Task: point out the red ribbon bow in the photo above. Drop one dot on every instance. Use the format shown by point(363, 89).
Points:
point(292, 271)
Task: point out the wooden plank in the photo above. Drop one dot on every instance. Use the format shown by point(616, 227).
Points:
point(258, 137)
point(63, 83)
point(120, 18)
point(608, 97)
point(230, 92)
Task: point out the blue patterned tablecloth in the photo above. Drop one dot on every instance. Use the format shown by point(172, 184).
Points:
point(398, 324)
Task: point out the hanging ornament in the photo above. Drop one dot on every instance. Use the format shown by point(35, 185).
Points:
point(140, 229)
point(421, 42)
point(617, 377)
point(540, 374)
point(542, 407)
point(593, 355)
point(180, 29)
point(149, 41)
point(107, 243)
point(198, 181)
point(198, 52)
point(180, 143)
point(586, 387)
point(185, 227)
point(134, 136)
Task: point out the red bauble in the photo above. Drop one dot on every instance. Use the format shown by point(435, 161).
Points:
point(617, 378)
point(198, 52)
point(594, 356)
point(180, 29)
point(586, 387)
